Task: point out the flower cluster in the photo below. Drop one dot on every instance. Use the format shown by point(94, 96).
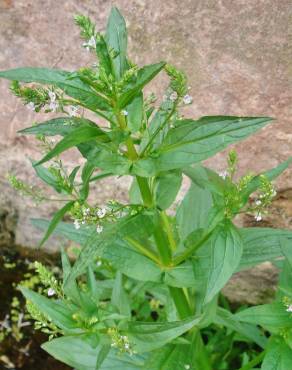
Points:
point(25, 189)
point(120, 342)
point(86, 215)
point(266, 194)
point(48, 280)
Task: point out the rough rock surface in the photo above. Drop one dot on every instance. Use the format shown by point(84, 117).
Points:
point(237, 56)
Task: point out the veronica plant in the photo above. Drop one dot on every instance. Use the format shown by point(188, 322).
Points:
point(144, 290)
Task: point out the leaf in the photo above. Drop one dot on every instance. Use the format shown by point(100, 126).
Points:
point(85, 176)
point(230, 321)
point(55, 220)
point(270, 174)
point(70, 290)
point(116, 38)
point(60, 315)
point(193, 210)
point(261, 244)
point(112, 162)
point(73, 175)
point(135, 113)
point(149, 336)
point(48, 177)
point(226, 251)
point(77, 352)
point(272, 316)
point(144, 75)
point(278, 357)
point(78, 136)
point(193, 141)
point(57, 126)
point(119, 296)
point(73, 87)
point(171, 357)
point(166, 189)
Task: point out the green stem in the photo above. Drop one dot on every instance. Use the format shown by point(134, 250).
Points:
point(180, 301)
point(143, 250)
point(145, 191)
point(168, 230)
point(257, 360)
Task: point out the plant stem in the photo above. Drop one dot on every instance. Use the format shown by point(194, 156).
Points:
point(143, 250)
point(180, 301)
point(254, 362)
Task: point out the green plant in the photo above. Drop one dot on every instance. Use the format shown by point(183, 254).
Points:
point(143, 292)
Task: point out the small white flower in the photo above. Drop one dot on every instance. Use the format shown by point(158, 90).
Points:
point(258, 202)
point(98, 263)
point(187, 366)
point(274, 193)
point(30, 106)
point(91, 43)
point(53, 106)
point(86, 211)
point(99, 229)
point(187, 99)
point(173, 96)
point(101, 212)
point(124, 112)
point(223, 174)
point(51, 292)
point(289, 308)
point(72, 111)
point(127, 346)
point(258, 217)
point(52, 96)
point(76, 224)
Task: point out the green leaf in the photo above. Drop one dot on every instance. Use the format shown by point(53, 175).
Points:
point(57, 126)
point(230, 321)
point(192, 213)
point(73, 87)
point(149, 336)
point(278, 357)
point(226, 251)
point(193, 141)
point(78, 136)
point(135, 113)
point(270, 174)
point(70, 290)
point(119, 296)
point(167, 187)
point(60, 314)
point(144, 75)
point(55, 220)
point(78, 352)
point(171, 357)
point(48, 177)
point(112, 162)
point(261, 244)
point(272, 316)
point(116, 38)
point(85, 176)
point(73, 175)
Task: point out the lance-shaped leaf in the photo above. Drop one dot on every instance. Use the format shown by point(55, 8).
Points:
point(55, 220)
point(79, 353)
point(226, 251)
point(144, 75)
point(49, 178)
point(270, 174)
point(167, 187)
point(193, 141)
point(119, 297)
point(149, 336)
point(273, 316)
point(230, 321)
point(55, 311)
point(85, 176)
point(57, 126)
point(135, 113)
point(279, 355)
point(73, 87)
point(261, 244)
point(116, 38)
point(78, 136)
